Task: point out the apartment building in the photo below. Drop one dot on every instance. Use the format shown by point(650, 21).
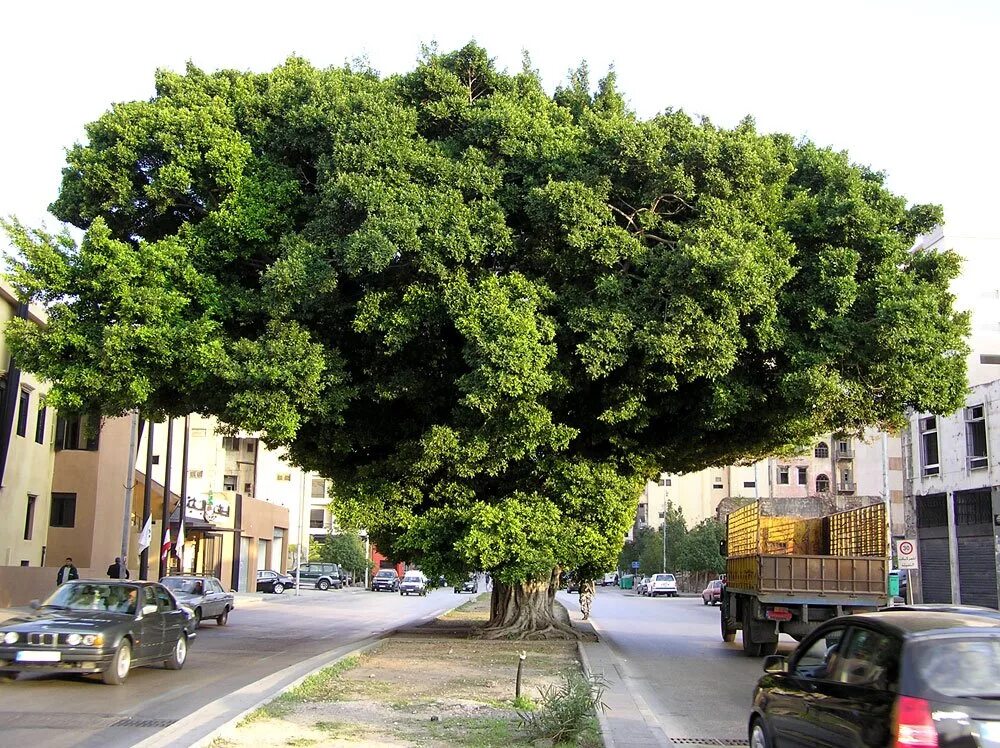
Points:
point(953, 499)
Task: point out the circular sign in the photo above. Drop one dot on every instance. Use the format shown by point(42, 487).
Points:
point(906, 548)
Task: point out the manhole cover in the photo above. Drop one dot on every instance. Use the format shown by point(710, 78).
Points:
point(710, 741)
point(139, 722)
point(56, 720)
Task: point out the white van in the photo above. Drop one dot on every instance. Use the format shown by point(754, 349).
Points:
point(610, 579)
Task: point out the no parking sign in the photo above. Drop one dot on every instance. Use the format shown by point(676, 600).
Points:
point(906, 554)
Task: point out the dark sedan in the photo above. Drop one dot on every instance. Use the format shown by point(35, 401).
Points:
point(204, 595)
point(98, 626)
point(274, 581)
point(471, 584)
point(901, 678)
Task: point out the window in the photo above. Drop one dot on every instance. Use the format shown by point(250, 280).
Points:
point(230, 443)
point(783, 475)
point(248, 488)
point(74, 432)
point(249, 445)
point(229, 483)
point(155, 460)
point(318, 488)
point(664, 482)
point(40, 424)
point(869, 657)
point(822, 450)
point(284, 476)
point(717, 482)
point(317, 518)
point(749, 484)
point(822, 483)
point(199, 432)
point(929, 446)
point(975, 437)
point(843, 448)
point(29, 517)
point(819, 659)
point(803, 473)
point(196, 473)
point(22, 412)
point(63, 511)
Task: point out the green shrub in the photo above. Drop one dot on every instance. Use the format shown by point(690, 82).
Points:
point(563, 711)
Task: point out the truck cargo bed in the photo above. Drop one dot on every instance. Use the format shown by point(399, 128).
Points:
point(807, 575)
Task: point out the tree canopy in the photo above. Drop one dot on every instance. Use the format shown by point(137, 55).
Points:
point(486, 312)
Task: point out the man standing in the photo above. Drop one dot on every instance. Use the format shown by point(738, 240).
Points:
point(117, 570)
point(67, 572)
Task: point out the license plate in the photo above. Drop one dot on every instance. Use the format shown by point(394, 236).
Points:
point(39, 656)
point(989, 734)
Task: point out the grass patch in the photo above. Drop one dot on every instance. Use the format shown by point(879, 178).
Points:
point(322, 686)
point(301, 741)
point(477, 732)
point(524, 704)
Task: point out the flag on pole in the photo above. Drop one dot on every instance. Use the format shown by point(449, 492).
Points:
point(146, 536)
point(165, 550)
point(180, 544)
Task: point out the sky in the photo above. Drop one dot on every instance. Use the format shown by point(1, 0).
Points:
point(908, 87)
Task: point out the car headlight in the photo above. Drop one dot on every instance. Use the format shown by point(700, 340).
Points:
point(93, 640)
point(74, 639)
point(10, 637)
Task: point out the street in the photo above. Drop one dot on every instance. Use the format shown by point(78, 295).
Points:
point(264, 636)
point(673, 656)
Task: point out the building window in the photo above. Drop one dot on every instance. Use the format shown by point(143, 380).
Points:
point(248, 489)
point(783, 475)
point(821, 450)
point(929, 446)
point(749, 484)
point(803, 476)
point(229, 483)
point(230, 443)
point(717, 483)
point(318, 488)
point(22, 412)
point(29, 517)
point(249, 445)
point(284, 477)
point(317, 518)
point(975, 437)
point(63, 513)
point(822, 483)
point(40, 424)
point(844, 448)
point(199, 432)
point(196, 473)
point(155, 460)
point(664, 482)
point(74, 432)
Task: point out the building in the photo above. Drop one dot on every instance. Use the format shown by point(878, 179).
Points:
point(953, 499)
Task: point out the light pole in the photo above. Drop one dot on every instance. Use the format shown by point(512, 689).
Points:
point(302, 533)
point(663, 482)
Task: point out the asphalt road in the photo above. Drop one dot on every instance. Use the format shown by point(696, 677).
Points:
point(673, 656)
point(266, 636)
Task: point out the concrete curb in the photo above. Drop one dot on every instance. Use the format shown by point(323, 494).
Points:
point(602, 717)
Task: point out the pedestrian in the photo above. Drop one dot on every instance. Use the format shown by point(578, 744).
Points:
point(67, 572)
point(586, 597)
point(489, 581)
point(117, 570)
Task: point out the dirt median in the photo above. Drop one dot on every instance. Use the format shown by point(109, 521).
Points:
point(431, 685)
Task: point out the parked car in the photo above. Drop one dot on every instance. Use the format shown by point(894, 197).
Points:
point(319, 575)
point(385, 580)
point(274, 581)
point(641, 585)
point(414, 583)
point(98, 626)
point(205, 596)
point(610, 579)
point(712, 593)
point(662, 584)
point(906, 678)
point(469, 585)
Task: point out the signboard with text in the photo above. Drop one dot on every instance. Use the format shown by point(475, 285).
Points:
point(906, 554)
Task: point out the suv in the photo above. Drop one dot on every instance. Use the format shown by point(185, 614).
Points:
point(386, 579)
point(414, 583)
point(662, 584)
point(321, 576)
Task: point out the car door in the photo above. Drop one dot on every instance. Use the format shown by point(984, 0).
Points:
point(150, 639)
point(788, 700)
point(173, 619)
point(265, 581)
point(854, 707)
point(216, 597)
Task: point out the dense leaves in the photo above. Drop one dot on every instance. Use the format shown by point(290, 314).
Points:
point(486, 312)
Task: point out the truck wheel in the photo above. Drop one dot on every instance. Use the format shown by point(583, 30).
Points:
point(728, 634)
point(767, 648)
point(750, 647)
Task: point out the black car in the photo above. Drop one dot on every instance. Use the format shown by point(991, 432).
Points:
point(274, 581)
point(98, 626)
point(900, 678)
point(469, 585)
point(322, 576)
point(385, 580)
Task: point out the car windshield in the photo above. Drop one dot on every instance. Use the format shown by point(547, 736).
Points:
point(386, 573)
point(110, 597)
point(717, 583)
point(960, 667)
point(413, 578)
point(184, 586)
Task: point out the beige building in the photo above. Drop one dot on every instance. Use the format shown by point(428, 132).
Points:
point(26, 451)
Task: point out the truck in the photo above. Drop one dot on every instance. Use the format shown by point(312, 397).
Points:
point(793, 564)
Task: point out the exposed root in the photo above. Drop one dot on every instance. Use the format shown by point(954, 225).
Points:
point(523, 632)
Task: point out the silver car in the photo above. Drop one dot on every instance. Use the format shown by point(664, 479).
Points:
point(203, 595)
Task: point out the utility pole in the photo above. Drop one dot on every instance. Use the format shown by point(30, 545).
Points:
point(664, 525)
point(129, 485)
point(165, 513)
point(147, 500)
point(302, 533)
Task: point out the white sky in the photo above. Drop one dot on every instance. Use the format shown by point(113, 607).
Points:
point(909, 87)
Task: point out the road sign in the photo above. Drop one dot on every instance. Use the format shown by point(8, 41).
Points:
point(906, 554)
point(635, 564)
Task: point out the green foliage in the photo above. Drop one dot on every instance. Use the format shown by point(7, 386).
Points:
point(485, 312)
point(699, 550)
point(345, 549)
point(562, 712)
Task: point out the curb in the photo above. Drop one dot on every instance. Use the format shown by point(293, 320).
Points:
point(602, 718)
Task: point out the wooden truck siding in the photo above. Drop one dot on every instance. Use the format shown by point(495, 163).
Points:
point(807, 575)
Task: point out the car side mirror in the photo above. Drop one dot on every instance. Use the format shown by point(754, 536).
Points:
point(35, 604)
point(147, 609)
point(775, 664)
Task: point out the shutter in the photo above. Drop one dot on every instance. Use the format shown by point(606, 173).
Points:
point(935, 572)
point(977, 570)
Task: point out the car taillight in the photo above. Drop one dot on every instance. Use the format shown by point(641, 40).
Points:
point(912, 724)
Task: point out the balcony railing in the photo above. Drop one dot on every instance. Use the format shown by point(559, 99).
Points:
point(844, 454)
point(847, 487)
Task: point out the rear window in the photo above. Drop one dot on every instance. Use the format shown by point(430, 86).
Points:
point(960, 667)
point(664, 577)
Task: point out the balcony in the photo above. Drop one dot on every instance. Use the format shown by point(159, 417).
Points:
point(847, 487)
point(844, 454)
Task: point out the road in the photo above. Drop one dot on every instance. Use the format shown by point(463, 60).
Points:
point(273, 634)
point(674, 658)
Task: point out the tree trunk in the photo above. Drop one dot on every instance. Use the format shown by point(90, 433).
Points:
point(525, 611)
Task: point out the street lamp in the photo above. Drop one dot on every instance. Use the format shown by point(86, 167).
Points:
point(664, 482)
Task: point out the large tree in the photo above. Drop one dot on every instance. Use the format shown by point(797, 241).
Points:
point(486, 312)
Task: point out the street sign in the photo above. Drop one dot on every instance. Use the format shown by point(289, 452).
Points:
point(635, 564)
point(906, 554)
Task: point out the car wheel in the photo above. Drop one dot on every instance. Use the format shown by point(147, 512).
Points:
point(401, 593)
point(7, 675)
point(223, 619)
point(456, 590)
point(758, 735)
point(323, 585)
point(704, 601)
point(179, 656)
point(197, 617)
point(279, 588)
point(117, 670)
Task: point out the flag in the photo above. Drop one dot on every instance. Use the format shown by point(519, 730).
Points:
point(146, 536)
point(180, 544)
point(165, 550)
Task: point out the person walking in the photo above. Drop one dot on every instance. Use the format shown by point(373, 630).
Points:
point(117, 570)
point(67, 572)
